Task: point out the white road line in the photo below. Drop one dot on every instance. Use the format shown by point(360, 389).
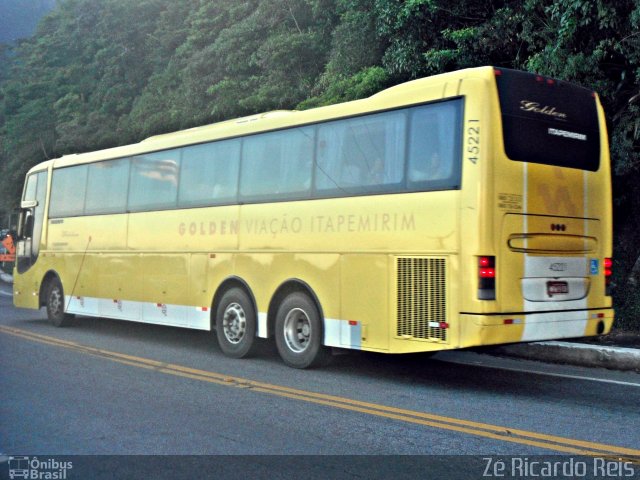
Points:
point(538, 372)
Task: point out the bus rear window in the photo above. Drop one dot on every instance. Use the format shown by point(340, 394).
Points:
point(548, 121)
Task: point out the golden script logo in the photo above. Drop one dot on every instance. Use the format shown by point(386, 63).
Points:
point(529, 106)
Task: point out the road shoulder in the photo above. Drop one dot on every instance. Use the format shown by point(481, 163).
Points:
point(574, 353)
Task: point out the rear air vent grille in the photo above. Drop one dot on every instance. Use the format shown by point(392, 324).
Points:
point(422, 299)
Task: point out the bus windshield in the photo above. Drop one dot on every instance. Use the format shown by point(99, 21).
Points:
point(548, 121)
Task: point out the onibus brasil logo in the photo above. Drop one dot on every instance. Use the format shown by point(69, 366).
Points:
point(36, 469)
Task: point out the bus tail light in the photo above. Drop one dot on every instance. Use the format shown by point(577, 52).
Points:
point(486, 278)
point(608, 272)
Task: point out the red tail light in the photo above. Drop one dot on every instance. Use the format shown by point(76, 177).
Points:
point(486, 272)
point(486, 278)
point(608, 272)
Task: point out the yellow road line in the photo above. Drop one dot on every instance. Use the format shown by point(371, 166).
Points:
point(495, 432)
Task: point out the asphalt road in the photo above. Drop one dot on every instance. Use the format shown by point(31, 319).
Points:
point(104, 387)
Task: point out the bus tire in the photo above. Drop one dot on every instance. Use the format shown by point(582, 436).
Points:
point(299, 332)
point(236, 324)
point(55, 305)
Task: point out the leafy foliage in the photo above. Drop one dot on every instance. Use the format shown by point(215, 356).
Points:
point(99, 73)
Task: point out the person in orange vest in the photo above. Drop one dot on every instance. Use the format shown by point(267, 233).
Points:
point(9, 245)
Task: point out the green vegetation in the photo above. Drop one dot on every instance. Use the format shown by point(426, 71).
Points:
point(100, 73)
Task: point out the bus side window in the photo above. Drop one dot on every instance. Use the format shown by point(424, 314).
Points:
point(277, 165)
point(209, 173)
point(433, 150)
point(154, 180)
point(363, 153)
point(68, 188)
point(107, 187)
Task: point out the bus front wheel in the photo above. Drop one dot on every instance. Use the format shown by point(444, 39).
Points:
point(299, 332)
point(55, 305)
point(236, 324)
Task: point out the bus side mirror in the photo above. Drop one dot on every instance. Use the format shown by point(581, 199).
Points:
point(26, 204)
point(25, 224)
point(28, 226)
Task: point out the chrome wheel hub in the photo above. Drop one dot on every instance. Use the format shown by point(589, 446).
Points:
point(234, 323)
point(55, 301)
point(297, 330)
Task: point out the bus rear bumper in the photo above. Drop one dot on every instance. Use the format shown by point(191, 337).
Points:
point(527, 327)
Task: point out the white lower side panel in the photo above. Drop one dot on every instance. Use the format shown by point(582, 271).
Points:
point(342, 334)
point(262, 325)
point(157, 313)
point(543, 326)
point(337, 333)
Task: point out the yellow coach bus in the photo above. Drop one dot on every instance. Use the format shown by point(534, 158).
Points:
point(469, 208)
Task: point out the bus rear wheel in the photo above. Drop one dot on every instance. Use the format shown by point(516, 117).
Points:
point(55, 305)
point(236, 324)
point(299, 332)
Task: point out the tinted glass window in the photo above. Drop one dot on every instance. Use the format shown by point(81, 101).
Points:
point(36, 189)
point(361, 154)
point(67, 191)
point(409, 149)
point(38, 220)
point(210, 173)
point(154, 180)
point(107, 187)
point(434, 146)
point(548, 121)
point(30, 188)
point(278, 164)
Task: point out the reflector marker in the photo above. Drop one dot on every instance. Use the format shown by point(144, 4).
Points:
point(512, 321)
